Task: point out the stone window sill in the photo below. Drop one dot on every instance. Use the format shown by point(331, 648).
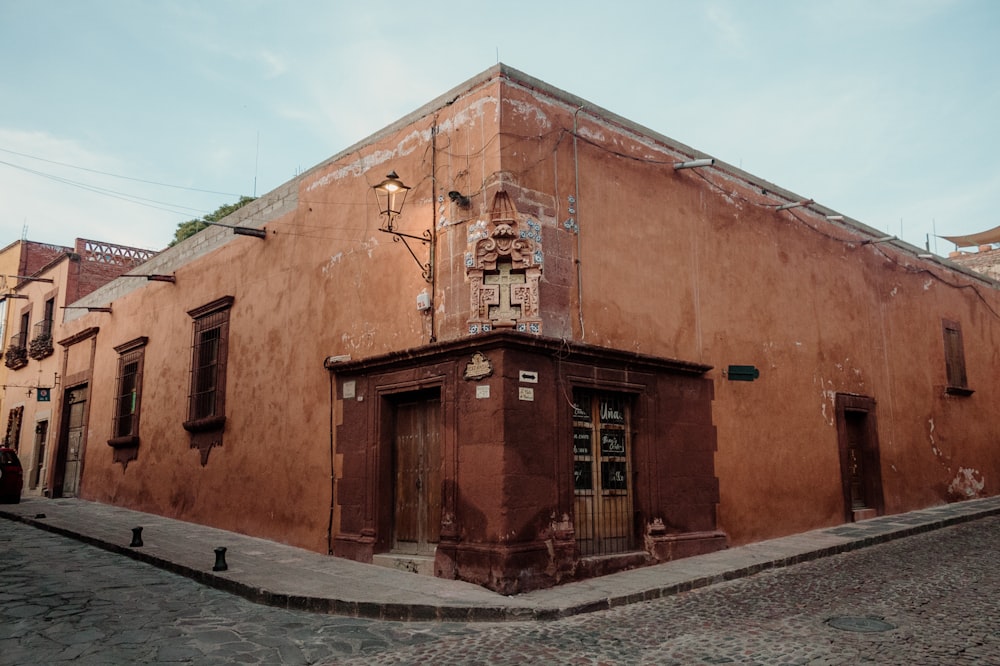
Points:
point(207, 424)
point(124, 442)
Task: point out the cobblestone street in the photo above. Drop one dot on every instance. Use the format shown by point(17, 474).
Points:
point(62, 602)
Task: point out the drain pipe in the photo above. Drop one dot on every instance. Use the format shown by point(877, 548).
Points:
point(434, 223)
point(576, 204)
point(333, 476)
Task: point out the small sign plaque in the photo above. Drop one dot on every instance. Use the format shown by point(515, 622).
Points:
point(44, 395)
point(478, 367)
point(528, 377)
point(612, 443)
point(742, 373)
point(482, 391)
point(526, 394)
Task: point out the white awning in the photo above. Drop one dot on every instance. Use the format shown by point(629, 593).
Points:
point(982, 238)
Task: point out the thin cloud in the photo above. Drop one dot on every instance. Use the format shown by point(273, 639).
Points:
point(725, 29)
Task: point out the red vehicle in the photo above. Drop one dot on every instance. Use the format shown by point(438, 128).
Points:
point(11, 476)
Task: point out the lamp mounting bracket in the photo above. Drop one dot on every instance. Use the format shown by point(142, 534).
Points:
point(426, 270)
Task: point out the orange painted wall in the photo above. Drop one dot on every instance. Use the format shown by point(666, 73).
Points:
point(325, 282)
point(700, 266)
point(692, 265)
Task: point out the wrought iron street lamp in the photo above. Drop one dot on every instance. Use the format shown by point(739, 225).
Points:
point(391, 194)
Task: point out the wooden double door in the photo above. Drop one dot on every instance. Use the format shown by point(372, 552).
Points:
point(69, 455)
point(602, 473)
point(417, 466)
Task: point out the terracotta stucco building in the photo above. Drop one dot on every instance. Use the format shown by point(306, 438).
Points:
point(592, 348)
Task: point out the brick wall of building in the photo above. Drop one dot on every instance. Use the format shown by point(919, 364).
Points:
point(985, 261)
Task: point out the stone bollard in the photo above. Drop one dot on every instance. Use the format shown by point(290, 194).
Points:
point(220, 560)
point(136, 538)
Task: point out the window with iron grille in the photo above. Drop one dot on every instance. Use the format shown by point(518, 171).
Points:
point(128, 394)
point(207, 399)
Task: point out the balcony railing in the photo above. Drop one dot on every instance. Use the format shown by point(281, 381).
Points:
point(41, 340)
point(17, 351)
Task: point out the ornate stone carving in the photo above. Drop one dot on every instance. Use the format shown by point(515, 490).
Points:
point(479, 367)
point(503, 267)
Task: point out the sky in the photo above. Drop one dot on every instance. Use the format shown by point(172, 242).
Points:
point(120, 119)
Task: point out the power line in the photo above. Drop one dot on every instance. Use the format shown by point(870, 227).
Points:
point(150, 203)
point(115, 175)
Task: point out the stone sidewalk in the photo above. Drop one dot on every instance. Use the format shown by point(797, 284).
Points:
point(278, 575)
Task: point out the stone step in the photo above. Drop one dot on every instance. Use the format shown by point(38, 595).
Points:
point(418, 564)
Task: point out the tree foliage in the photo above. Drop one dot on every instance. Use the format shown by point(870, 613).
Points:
point(191, 227)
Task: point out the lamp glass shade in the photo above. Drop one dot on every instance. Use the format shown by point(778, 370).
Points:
point(390, 193)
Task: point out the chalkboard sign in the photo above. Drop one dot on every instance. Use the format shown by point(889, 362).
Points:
point(583, 478)
point(581, 442)
point(614, 476)
point(613, 411)
point(578, 412)
point(612, 442)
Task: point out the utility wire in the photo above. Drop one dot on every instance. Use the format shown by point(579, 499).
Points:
point(115, 175)
point(150, 203)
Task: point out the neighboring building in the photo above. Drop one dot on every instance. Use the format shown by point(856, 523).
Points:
point(37, 296)
point(598, 349)
point(985, 260)
point(17, 260)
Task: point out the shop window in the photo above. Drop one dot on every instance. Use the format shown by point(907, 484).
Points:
point(602, 473)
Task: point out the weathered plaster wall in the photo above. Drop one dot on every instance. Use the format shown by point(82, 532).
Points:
point(699, 265)
point(325, 282)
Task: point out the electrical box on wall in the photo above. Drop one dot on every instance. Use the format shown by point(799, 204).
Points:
point(423, 301)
